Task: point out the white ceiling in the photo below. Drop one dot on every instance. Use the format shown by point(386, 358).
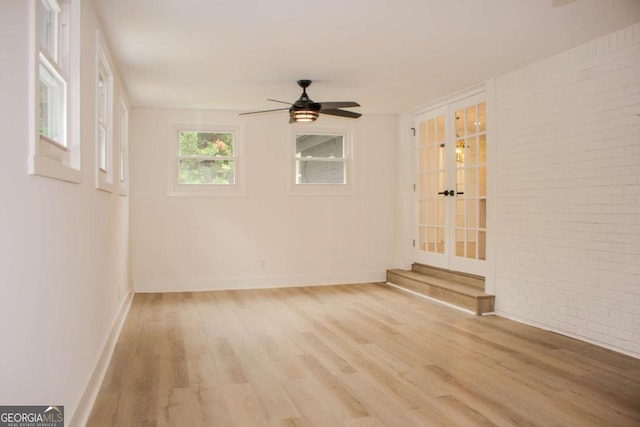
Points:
point(388, 55)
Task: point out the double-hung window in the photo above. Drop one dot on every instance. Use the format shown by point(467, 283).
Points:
point(124, 149)
point(104, 120)
point(55, 151)
point(207, 160)
point(322, 161)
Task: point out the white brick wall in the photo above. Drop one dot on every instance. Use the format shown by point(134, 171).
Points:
point(568, 192)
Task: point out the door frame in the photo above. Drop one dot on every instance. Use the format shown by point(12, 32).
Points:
point(486, 92)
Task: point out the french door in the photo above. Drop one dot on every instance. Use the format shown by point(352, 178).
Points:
point(451, 186)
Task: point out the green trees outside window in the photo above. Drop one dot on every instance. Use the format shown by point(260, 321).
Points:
point(206, 158)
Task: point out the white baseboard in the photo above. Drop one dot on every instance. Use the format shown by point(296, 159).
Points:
point(85, 406)
point(255, 282)
point(568, 334)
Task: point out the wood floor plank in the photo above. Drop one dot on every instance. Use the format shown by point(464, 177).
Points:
point(353, 355)
point(244, 406)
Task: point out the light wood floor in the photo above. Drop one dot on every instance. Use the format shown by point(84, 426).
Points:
point(353, 355)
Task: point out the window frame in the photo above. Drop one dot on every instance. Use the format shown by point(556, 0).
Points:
point(320, 189)
point(50, 157)
point(104, 119)
point(123, 176)
point(237, 189)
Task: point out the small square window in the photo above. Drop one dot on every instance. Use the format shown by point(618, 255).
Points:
point(208, 161)
point(320, 159)
point(206, 158)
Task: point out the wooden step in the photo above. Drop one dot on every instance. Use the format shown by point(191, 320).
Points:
point(451, 291)
point(456, 276)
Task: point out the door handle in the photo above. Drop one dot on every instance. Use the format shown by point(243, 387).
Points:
point(450, 193)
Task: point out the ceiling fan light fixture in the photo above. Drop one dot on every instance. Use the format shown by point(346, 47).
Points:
point(304, 110)
point(304, 116)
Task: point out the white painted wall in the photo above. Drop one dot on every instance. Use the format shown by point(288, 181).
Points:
point(568, 192)
point(64, 270)
point(269, 237)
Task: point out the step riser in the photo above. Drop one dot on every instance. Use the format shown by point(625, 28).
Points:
point(478, 305)
point(468, 279)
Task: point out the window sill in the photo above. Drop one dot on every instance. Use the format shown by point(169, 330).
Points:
point(46, 167)
point(208, 191)
point(103, 185)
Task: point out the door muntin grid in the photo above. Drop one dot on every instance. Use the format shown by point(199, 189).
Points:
point(431, 181)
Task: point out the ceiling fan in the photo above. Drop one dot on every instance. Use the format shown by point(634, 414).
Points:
point(305, 110)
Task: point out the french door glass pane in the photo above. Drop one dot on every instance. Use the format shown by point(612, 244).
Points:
point(471, 244)
point(422, 242)
point(423, 158)
point(471, 214)
point(482, 117)
point(440, 247)
point(482, 213)
point(472, 121)
point(482, 149)
point(471, 183)
point(482, 181)
point(482, 245)
point(460, 213)
point(423, 187)
point(471, 152)
point(459, 242)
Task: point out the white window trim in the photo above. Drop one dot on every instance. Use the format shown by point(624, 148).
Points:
point(213, 190)
point(104, 178)
point(123, 158)
point(68, 169)
point(314, 190)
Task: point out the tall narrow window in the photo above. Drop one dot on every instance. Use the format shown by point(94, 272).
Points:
point(104, 125)
point(55, 151)
point(53, 104)
point(52, 75)
point(124, 149)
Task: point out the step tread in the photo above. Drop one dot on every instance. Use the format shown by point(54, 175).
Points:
point(443, 273)
point(458, 287)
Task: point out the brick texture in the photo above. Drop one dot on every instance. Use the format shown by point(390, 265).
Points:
point(568, 192)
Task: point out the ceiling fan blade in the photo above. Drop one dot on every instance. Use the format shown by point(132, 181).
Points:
point(281, 102)
point(332, 105)
point(263, 111)
point(341, 113)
